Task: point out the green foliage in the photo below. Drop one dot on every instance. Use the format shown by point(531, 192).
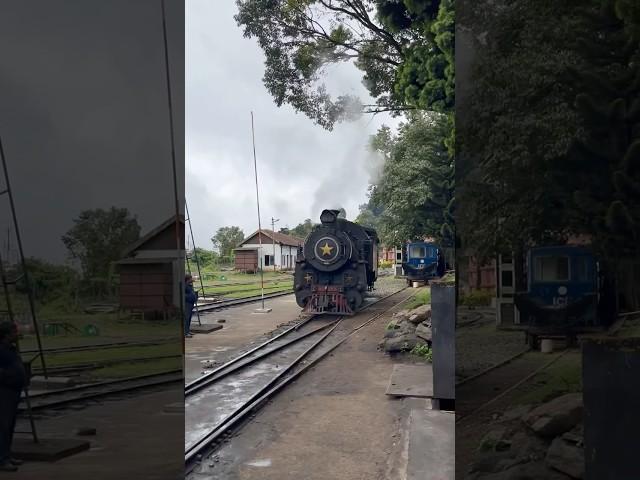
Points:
point(53, 285)
point(368, 215)
point(423, 351)
point(303, 229)
point(476, 298)
point(301, 39)
point(206, 258)
point(385, 264)
point(100, 237)
point(415, 192)
point(421, 298)
point(226, 239)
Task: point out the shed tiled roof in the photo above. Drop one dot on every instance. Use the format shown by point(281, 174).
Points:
point(280, 238)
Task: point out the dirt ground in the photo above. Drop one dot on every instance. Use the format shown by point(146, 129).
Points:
point(135, 439)
point(335, 422)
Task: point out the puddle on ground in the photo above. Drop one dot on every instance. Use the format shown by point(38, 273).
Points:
point(260, 463)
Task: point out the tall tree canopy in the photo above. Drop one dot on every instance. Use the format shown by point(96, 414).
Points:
point(99, 238)
point(226, 239)
point(416, 190)
point(404, 49)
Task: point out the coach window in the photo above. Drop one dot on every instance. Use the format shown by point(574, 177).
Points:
point(551, 269)
point(417, 251)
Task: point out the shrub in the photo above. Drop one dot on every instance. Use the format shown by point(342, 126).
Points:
point(477, 298)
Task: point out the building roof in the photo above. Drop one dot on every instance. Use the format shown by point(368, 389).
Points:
point(280, 238)
point(152, 233)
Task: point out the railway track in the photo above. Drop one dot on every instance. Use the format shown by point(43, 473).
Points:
point(210, 307)
point(81, 393)
point(480, 391)
point(219, 401)
point(82, 367)
point(102, 346)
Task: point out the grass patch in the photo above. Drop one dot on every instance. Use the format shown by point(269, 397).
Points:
point(136, 369)
point(423, 297)
point(423, 351)
point(564, 376)
point(122, 353)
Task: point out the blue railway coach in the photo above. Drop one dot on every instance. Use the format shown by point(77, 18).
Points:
point(566, 293)
point(423, 262)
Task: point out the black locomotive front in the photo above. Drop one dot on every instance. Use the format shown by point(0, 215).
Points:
point(337, 266)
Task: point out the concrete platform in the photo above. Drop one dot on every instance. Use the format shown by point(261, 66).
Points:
point(411, 381)
point(431, 445)
point(47, 449)
point(51, 383)
point(205, 328)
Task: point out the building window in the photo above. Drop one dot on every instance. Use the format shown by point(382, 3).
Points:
point(268, 260)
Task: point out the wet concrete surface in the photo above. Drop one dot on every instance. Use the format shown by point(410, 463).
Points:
point(241, 327)
point(134, 438)
point(334, 422)
point(211, 405)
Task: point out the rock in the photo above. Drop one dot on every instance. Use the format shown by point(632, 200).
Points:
point(516, 413)
point(85, 431)
point(400, 343)
point(528, 447)
point(401, 315)
point(423, 331)
point(526, 471)
point(420, 314)
point(222, 320)
point(566, 457)
point(557, 416)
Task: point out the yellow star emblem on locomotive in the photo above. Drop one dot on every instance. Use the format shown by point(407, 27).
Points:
point(308, 277)
point(326, 249)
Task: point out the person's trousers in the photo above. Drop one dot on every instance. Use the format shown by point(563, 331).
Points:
point(188, 313)
point(9, 399)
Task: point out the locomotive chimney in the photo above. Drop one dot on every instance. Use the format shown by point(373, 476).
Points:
point(329, 216)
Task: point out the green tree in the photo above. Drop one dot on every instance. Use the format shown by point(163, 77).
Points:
point(206, 258)
point(369, 215)
point(404, 49)
point(99, 238)
point(303, 229)
point(226, 239)
point(415, 194)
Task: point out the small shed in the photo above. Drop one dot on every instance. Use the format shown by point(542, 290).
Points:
point(151, 271)
point(266, 248)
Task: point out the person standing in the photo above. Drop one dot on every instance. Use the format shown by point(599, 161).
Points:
point(190, 299)
point(12, 380)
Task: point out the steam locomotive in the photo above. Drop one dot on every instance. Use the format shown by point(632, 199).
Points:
point(336, 266)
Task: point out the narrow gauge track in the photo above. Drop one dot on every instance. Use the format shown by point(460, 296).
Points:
point(219, 400)
point(65, 396)
point(209, 307)
point(101, 346)
point(81, 367)
point(478, 392)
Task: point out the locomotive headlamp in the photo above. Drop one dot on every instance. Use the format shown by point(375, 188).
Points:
point(562, 290)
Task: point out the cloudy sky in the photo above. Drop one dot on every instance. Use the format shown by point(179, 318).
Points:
point(84, 114)
point(302, 168)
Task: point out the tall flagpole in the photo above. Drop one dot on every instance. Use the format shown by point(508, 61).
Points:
point(255, 168)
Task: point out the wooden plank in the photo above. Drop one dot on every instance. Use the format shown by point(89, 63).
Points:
point(411, 381)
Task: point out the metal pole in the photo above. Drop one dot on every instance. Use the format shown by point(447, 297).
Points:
point(27, 279)
point(273, 237)
point(174, 168)
point(193, 244)
point(255, 168)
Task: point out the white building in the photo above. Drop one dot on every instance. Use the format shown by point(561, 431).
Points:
point(278, 251)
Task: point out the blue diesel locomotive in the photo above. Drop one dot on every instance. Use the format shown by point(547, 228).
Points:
point(567, 293)
point(423, 261)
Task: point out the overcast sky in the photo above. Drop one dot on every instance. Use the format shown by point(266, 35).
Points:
point(83, 113)
point(302, 168)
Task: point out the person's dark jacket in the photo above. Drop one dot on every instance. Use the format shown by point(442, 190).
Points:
point(12, 371)
point(190, 295)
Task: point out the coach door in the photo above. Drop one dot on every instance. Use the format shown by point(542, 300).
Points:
point(506, 310)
